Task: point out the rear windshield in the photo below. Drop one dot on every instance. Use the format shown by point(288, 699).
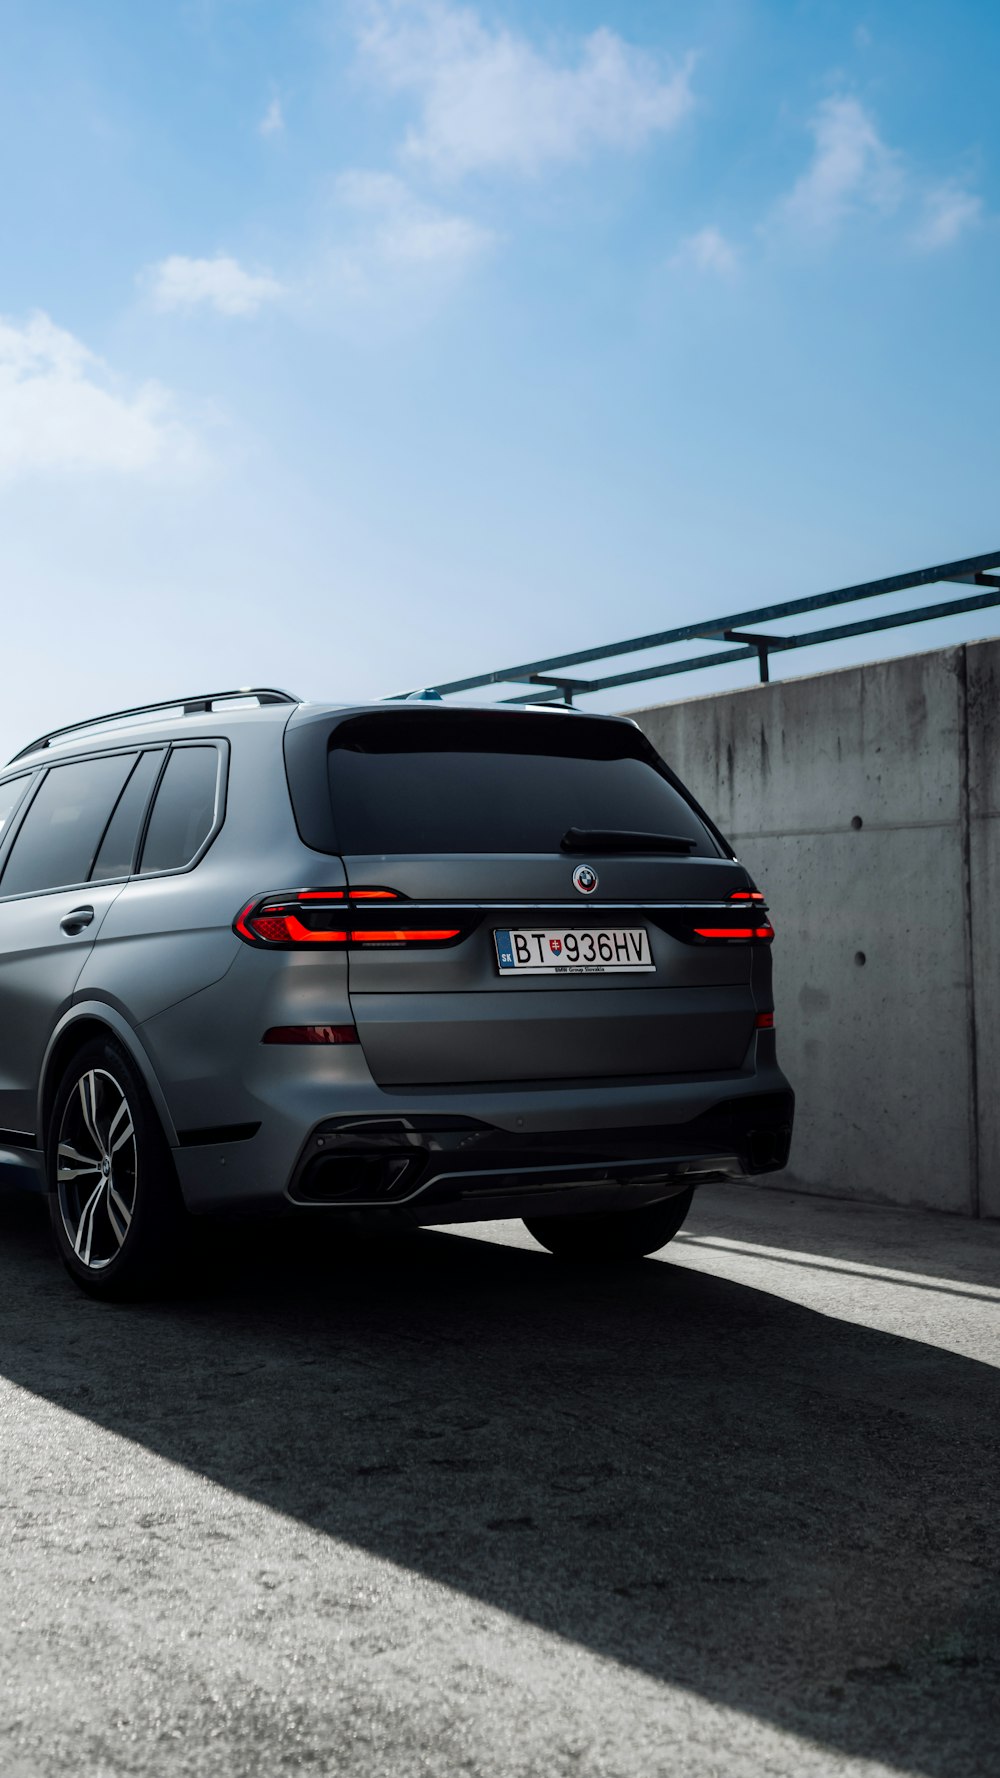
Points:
point(437, 782)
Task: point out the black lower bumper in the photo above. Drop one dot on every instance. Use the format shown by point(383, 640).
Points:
point(433, 1162)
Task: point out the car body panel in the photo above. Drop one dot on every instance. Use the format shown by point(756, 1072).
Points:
point(546, 1033)
point(40, 965)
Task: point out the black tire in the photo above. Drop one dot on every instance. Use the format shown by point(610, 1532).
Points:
point(612, 1235)
point(114, 1202)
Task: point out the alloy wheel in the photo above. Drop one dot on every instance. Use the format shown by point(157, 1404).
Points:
point(97, 1168)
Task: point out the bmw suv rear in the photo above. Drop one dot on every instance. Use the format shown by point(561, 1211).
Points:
point(408, 962)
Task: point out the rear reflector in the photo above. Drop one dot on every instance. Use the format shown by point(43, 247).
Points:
point(310, 1034)
point(764, 1021)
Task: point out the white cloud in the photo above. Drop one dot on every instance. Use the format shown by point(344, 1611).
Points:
point(852, 169)
point(61, 411)
point(388, 251)
point(707, 251)
point(406, 231)
point(273, 121)
point(948, 211)
point(490, 98)
point(220, 283)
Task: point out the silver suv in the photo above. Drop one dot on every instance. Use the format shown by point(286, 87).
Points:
point(412, 962)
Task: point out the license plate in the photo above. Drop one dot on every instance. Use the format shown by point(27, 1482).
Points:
point(536, 950)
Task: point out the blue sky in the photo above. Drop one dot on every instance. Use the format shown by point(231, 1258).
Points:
point(350, 346)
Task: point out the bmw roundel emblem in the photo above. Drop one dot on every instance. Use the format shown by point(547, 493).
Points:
point(585, 878)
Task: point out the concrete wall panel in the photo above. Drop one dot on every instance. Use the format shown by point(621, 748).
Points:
point(866, 803)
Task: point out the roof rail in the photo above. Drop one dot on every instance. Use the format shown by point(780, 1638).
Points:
point(187, 706)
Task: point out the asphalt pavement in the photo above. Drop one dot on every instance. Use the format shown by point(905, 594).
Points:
point(443, 1505)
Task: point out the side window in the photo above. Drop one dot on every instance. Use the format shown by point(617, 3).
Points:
point(117, 854)
point(56, 842)
point(10, 795)
point(184, 811)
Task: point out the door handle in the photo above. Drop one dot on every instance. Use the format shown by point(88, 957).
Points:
point(76, 920)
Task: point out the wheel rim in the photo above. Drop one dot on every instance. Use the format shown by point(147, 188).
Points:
point(97, 1169)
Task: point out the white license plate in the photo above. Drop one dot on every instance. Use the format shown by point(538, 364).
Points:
point(537, 950)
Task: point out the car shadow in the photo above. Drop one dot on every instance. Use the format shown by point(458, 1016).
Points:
point(787, 1514)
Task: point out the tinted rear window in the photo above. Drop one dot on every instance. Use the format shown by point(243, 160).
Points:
point(430, 782)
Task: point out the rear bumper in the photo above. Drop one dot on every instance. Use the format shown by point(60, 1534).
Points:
point(462, 1153)
point(469, 1168)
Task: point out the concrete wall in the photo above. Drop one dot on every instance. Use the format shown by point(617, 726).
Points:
point(866, 803)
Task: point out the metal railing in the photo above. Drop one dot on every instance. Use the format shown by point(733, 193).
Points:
point(551, 677)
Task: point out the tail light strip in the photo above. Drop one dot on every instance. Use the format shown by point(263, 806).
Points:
point(419, 935)
point(308, 917)
point(749, 902)
point(730, 932)
point(317, 917)
point(346, 895)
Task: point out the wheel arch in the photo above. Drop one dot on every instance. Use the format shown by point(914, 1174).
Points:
point(84, 1021)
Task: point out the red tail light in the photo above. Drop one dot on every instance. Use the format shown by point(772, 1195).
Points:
point(749, 906)
point(742, 932)
point(310, 1034)
point(735, 932)
point(302, 918)
point(297, 917)
point(764, 1021)
point(417, 935)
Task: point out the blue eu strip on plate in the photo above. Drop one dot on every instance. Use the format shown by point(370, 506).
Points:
point(505, 950)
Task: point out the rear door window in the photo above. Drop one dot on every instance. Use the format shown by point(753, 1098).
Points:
point(57, 841)
point(422, 782)
point(184, 813)
point(117, 851)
